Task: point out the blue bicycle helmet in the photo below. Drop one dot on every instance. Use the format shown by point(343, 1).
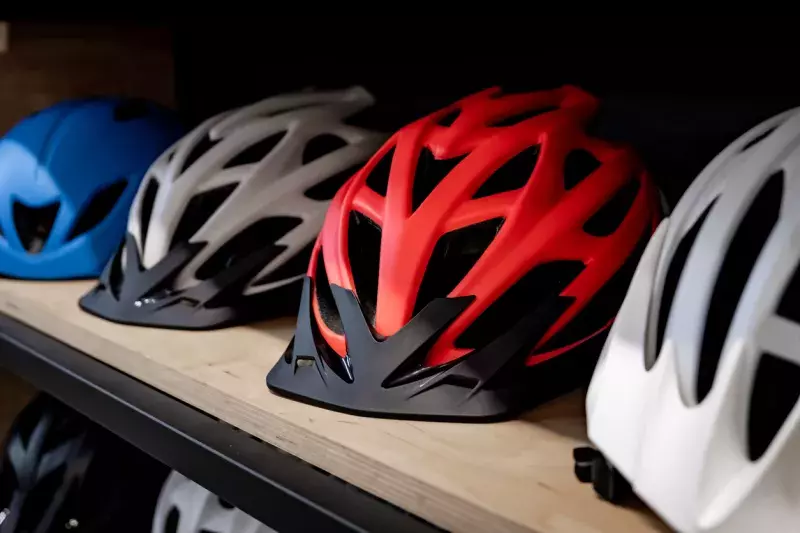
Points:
point(68, 175)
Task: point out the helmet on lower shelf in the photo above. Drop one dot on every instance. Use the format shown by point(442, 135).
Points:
point(462, 272)
point(68, 175)
point(223, 225)
point(186, 507)
point(694, 397)
point(60, 472)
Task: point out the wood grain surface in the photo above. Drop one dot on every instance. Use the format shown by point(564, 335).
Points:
point(506, 477)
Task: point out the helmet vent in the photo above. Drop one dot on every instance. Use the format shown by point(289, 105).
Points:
point(789, 305)
point(577, 167)
point(324, 295)
point(322, 145)
point(326, 189)
point(744, 249)
point(378, 179)
point(364, 250)
point(172, 521)
point(197, 151)
point(295, 266)
point(608, 218)
point(255, 153)
point(520, 117)
point(758, 138)
point(98, 208)
point(429, 173)
point(671, 279)
point(448, 119)
point(258, 235)
point(199, 209)
point(513, 175)
point(776, 389)
point(116, 274)
point(539, 287)
point(34, 224)
point(224, 504)
point(148, 200)
point(604, 305)
point(454, 255)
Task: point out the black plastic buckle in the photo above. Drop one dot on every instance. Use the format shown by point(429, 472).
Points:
point(592, 467)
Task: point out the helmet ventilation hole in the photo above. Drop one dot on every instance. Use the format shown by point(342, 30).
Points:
point(453, 257)
point(224, 504)
point(789, 305)
point(326, 189)
point(148, 199)
point(776, 389)
point(757, 139)
point(98, 208)
point(199, 209)
point(671, 280)
point(34, 224)
point(256, 152)
point(295, 266)
point(608, 218)
point(364, 249)
point(542, 284)
point(744, 249)
point(448, 119)
point(604, 305)
point(172, 521)
point(378, 179)
point(429, 173)
point(322, 145)
point(322, 290)
point(513, 120)
point(197, 151)
point(577, 167)
point(512, 175)
point(258, 235)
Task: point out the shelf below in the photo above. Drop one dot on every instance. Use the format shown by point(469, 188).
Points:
point(511, 476)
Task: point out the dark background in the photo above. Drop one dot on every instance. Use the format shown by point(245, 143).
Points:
point(678, 89)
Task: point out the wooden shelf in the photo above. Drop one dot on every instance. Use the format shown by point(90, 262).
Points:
point(511, 476)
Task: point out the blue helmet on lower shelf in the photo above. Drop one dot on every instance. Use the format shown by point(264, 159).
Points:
point(68, 175)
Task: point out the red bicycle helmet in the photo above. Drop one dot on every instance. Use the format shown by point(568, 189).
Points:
point(460, 268)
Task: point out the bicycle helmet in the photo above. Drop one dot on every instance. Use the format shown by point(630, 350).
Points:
point(457, 273)
point(222, 229)
point(61, 472)
point(186, 507)
point(694, 398)
point(68, 175)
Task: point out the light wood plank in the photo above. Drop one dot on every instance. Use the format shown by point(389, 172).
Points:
point(507, 477)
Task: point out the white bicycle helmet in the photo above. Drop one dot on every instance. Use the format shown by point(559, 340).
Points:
point(225, 220)
point(694, 398)
point(186, 507)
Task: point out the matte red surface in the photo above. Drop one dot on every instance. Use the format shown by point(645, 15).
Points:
point(543, 221)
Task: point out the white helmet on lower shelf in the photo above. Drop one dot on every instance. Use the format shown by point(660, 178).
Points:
point(694, 398)
point(186, 507)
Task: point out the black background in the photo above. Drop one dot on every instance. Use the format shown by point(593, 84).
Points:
point(676, 88)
